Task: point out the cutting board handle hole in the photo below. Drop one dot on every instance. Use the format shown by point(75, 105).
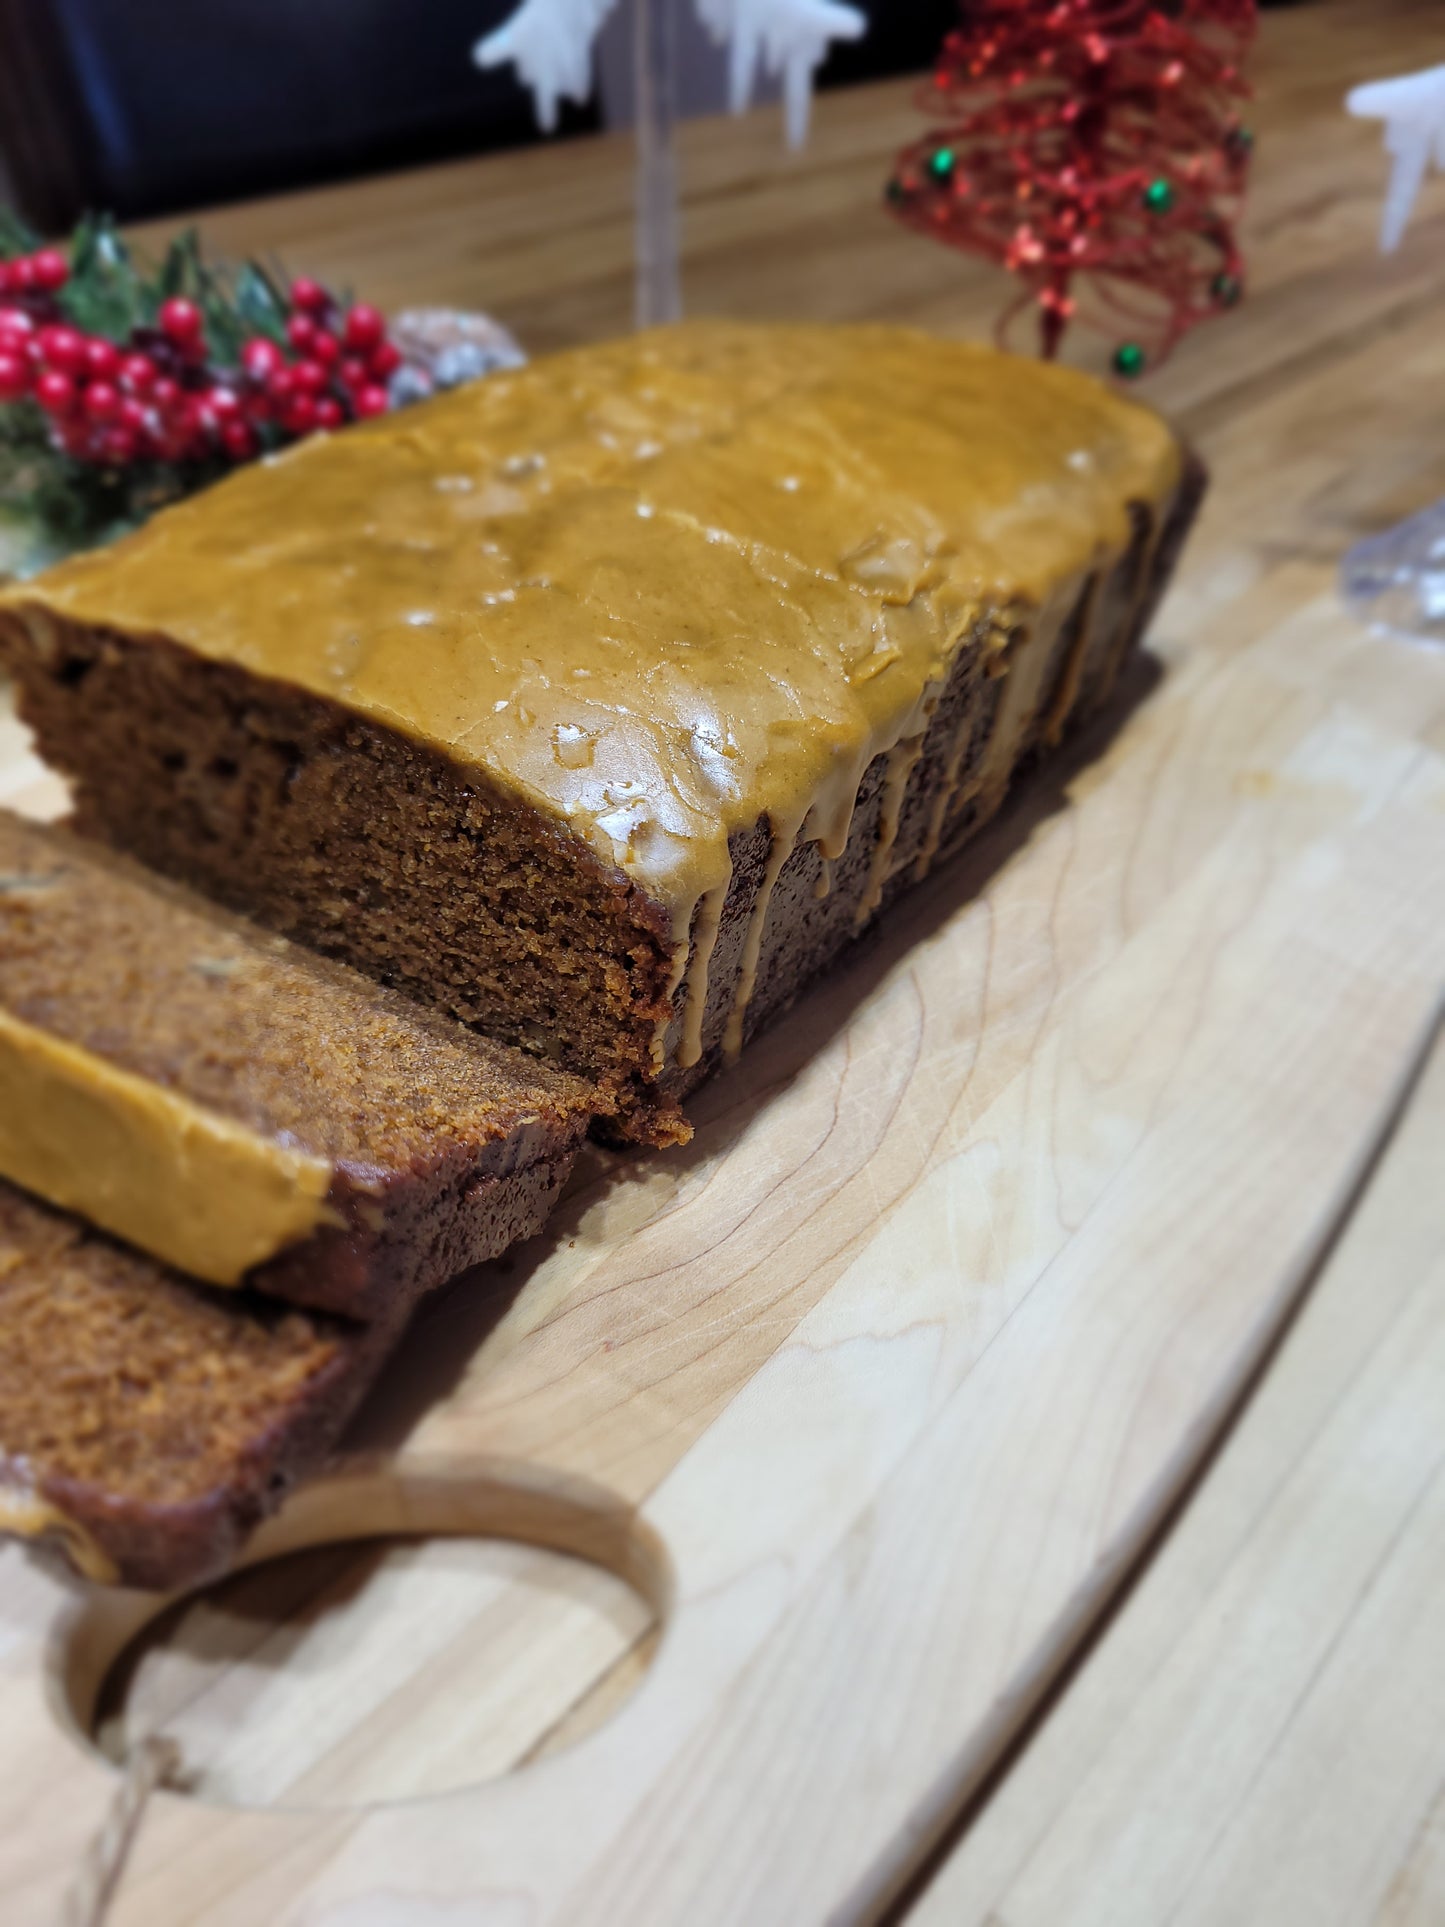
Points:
point(386, 1639)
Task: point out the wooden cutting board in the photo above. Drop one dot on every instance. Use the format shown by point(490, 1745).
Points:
point(877, 1389)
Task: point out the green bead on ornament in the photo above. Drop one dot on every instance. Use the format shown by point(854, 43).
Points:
point(1226, 289)
point(941, 164)
point(1241, 139)
point(1129, 359)
point(1159, 196)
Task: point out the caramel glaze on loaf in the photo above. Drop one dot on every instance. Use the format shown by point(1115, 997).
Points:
point(245, 1111)
point(149, 1423)
point(561, 699)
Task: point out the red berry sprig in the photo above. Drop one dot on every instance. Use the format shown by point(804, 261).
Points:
point(337, 370)
point(161, 396)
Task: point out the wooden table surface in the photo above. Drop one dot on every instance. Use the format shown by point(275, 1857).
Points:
point(1259, 1732)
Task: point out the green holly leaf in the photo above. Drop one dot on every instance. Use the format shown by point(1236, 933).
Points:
point(104, 295)
point(226, 327)
point(261, 303)
point(181, 271)
point(16, 236)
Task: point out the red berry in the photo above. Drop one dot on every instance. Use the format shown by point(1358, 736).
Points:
point(22, 274)
point(365, 328)
point(258, 408)
point(137, 372)
point(354, 371)
point(308, 378)
point(13, 342)
point(132, 414)
point(165, 392)
point(14, 376)
point(324, 347)
point(329, 412)
point(55, 392)
point(16, 318)
point(238, 438)
point(385, 359)
point(102, 359)
point(62, 348)
point(300, 417)
point(74, 436)
point(119, 444)
point(301, 332)
point(261, 358)
point(371, 400)
point(282, 385)
point(224, 403)
point(180, 320)
point(100, 400)
point(309, 294)
point(50, 269)
point(196, 418)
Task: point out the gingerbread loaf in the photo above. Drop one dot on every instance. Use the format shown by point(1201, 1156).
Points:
point(601, 703)
point(245, 1112)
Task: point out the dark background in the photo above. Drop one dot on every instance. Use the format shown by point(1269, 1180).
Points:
point(153, 106)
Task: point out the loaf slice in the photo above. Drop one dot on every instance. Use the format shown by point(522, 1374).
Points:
point(147, 1424)
point(603, 702)
point(246, 1112)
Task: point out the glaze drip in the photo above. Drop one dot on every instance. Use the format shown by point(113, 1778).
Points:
point(1063, 703)
point(949, 793)
point(704, 941)
point(781, 847)
point(1144, 574)
point(901, 760)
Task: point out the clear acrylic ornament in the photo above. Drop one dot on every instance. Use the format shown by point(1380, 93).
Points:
point(1395, 582)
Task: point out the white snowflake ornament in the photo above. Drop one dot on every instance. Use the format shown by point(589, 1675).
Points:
point(1412, 107)
point(787, 39)
point(551, 43)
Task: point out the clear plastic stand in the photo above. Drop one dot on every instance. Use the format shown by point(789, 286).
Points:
point(1395, 582)
point(659, 282)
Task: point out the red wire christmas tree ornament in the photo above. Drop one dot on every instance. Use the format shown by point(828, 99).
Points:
point(1091, 146)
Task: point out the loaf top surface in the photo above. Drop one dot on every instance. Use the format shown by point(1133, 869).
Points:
point(661, 587)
